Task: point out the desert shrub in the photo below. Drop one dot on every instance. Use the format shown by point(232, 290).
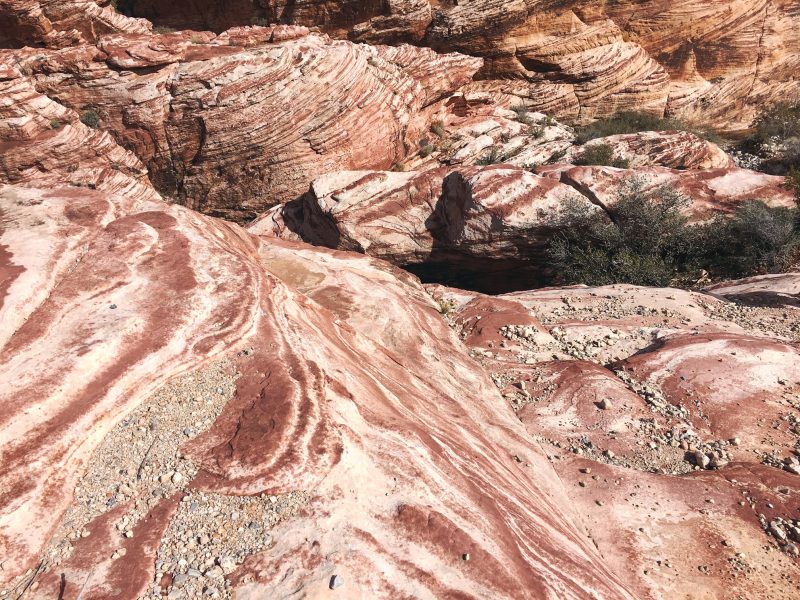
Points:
point(493, 156)
point(756, 239)
point(793, 183)
point(634, 122)
point(427, 150)
point(437, 127)
point(776, 138)
point(164, 30)
point(780, 121)
point(644, 240)
point(55, 124)
point(522, 114)
point(90, 118)
point(601, 155)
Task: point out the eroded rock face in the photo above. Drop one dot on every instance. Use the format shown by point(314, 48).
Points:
point(652, 403)
point(705, 60)
point(59, 23)
point(115, 344)
point(711, 191)
point(488, 222)
point(310, 105)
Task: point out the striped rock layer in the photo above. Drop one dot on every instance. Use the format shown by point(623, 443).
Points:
point(716, 62)
point(309, 105)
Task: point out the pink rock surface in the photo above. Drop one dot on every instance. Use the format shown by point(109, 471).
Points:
point(672, 149)
point(778, 289)
point(711, 191)
point(159, 290)
point(59, 23)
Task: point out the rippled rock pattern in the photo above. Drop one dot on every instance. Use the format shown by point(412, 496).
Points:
point(310, 105)
point(711, 61)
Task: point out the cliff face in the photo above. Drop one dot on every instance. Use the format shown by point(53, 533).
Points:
point(233, 124)
point(712, 61)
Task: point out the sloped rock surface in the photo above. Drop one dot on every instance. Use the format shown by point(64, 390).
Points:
point(708, 61)
point(305, 415)
point(46, 144)
point(782, 289)
point(627, 389)
point(672, 149)
point(711, 191)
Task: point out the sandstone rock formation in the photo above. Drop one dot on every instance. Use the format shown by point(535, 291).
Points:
point(715, 62)
point(488, 227)
point(59, 23)
point(627, 388)
point(180, 102)
point(487, 220)
point(125, 299)
point(192, 408)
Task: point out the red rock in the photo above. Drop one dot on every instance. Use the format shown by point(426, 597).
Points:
point(672, 149)
point(495, 219)
point(59, 23)
point(190, 95)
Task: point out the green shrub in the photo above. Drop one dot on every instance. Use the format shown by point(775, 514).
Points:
point(90, 118)
point(55, 124)
point(634, 122)
point(756, 239)
point(522, 114)
point(601, 155)
point(427, 150)
point(780, 121)
point(164, 30)
point(493, 156)
point(778, 124)
point(646, 240)
point(437, 127)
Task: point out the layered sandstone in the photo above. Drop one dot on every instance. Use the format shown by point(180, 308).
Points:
point(59, 23)
point(704, 60)
point(309, 105)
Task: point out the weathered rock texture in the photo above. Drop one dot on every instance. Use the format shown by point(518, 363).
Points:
point(625, 387)
point(126, 296)
point(488, 227)
point(707, 60)
point(58, 23)
point(182, 103)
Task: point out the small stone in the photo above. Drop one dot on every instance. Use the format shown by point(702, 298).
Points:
point(336, 582)
point(113, 306)
point(177, 478)
point(465, 556)
point(227, 564)
point(214, 572)
point(604, 404)
point(585, 470)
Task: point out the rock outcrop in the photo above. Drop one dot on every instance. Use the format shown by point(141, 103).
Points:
point(705, 60)
point(310, 105)
point(193, 408)
point(488, 227)
point(127, 297)
point(60, 23)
